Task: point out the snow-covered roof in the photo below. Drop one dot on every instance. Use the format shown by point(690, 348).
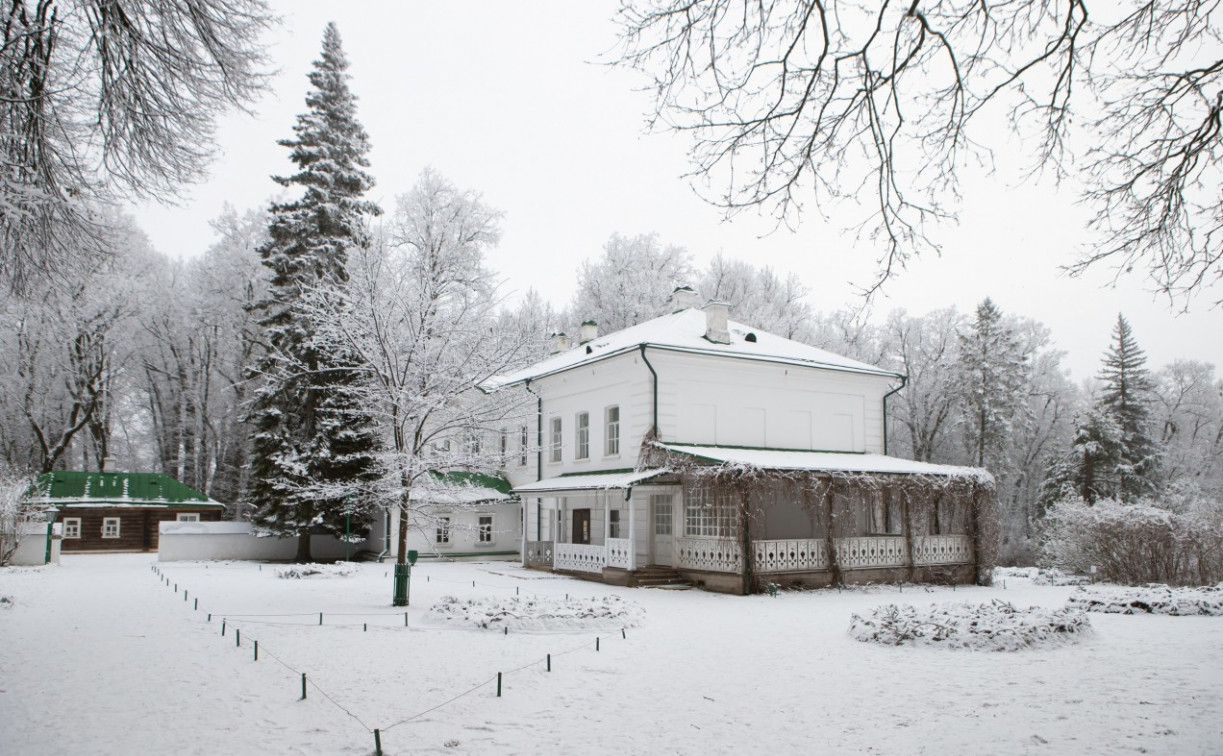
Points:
point(459, 488)
point(592, 481)
point(777, 459)
point(73, 488)
point(684, 331)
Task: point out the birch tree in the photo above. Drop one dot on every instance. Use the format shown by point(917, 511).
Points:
point(419, 316)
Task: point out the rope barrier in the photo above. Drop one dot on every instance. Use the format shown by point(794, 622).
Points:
point(376, 732)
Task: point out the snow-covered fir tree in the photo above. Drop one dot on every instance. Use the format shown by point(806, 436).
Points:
point(314, 449)
point(993, 371)
point(1127, 397)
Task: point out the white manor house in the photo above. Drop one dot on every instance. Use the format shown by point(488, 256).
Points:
point(692, 446)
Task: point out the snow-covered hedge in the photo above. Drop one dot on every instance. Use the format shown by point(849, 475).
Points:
point(298, 571)
point(1151, 599)
point(996, 626)
point(1136, 544)
point(1039, 576)
point(541, 613)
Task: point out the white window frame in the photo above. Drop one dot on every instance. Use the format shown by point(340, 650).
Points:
point(72, 527)
point(106, 524)
point(611, 431)
point(187, 517)
point(710, 515)
point(663, 506)
point(441, 536)
point(524, 444)
point(557, 429)
point(484, 530)
point(581, 432)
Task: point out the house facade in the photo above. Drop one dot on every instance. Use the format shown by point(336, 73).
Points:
point(118, 511)
point(697, 447)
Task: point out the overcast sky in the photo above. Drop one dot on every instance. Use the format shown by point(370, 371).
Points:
point(509, 99)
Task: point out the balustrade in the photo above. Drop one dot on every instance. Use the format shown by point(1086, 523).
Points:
point(579, 557)
point(871, 551)
point(539, 553)
point(942, 549)
point(801, 555)
point(620, 553)
point(710, 554)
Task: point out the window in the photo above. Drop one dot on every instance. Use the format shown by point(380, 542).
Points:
point(611, 424)
point(505, 445)
point(556, 439)
point(110, 527)
point(582, 445)
point(72, 527)
point(473, 443)
point(485, 529)
point(524, 444)
point(443, 530)
point(188, 517)
point(661, 504)
point(613, 523)
point(709, 514)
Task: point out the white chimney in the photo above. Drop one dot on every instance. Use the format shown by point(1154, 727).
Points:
point(560, 342)
point(717, 316)
point(684, 298)
point(589, 332)
point(108, 464)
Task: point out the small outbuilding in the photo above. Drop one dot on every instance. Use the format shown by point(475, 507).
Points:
point(118, 511)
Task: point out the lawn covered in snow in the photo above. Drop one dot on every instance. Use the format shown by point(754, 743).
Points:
point(102, 656)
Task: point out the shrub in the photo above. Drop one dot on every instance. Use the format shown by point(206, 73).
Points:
point(996, 626)
point(1136, 544)
point(1152, 599)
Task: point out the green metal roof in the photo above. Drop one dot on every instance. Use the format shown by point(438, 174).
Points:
point(121, 489)
point(464, 479)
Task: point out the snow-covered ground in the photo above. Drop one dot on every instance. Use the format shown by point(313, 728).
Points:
point(100, 656)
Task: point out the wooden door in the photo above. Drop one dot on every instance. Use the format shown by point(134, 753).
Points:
point(581, 526)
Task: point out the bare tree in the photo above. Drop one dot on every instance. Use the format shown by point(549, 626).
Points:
point(102, 99)
point(884, 102)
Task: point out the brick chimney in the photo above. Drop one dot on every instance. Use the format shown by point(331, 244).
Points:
point(717, 328)
point(589, 332)
point(684, 298)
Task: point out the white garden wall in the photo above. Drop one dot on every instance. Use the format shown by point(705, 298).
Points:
point(32, 551)
point(195, 541)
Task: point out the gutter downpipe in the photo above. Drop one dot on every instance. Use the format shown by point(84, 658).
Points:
point(654, 422)
point(539, 470)
point(904, 379)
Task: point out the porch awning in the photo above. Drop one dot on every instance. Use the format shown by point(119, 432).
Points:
point(775, 459)
point(590, 482)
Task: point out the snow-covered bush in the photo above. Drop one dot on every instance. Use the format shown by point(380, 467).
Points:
point(1039, 576)
point(298, 571)
point(1151, 599)
point(16, 517)
point(1136, 544)
point(996, 626)
point(539, 613)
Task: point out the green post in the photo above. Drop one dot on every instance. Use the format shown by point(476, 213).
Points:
point(403, 573)
point(377, 743)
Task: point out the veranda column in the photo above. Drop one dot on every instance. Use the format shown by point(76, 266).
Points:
point(632, 530)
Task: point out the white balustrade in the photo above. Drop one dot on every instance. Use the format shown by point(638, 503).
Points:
point(871, 551)
point(579, 557)
point(539, 553)
point(620, 553)
point(710, 554)
point(942, 549)
point(803, 555)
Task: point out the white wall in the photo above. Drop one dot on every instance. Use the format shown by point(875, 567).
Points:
point(706, 400)
point(32, 551)
point(464, 533)
point(182, 541)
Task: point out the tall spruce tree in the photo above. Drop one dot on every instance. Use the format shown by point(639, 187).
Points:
point(314, 446)
point(993, 372)
point(1126, 398)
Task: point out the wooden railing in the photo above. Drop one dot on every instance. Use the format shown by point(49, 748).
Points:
point(942, 549)
point(539, 554)
point(578, 557)
point(620, 553)
point(871, 551)
point(710, 554)
point(802, 555)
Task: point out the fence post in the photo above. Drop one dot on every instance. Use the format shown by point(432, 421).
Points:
point(377, 743)
point(498, 685)
point(303, 686)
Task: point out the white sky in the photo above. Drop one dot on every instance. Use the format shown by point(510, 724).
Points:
point(505, 98)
